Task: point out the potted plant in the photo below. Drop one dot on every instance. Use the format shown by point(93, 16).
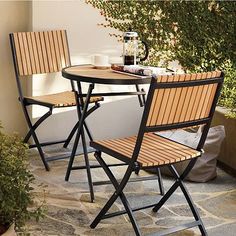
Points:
point(16, 196)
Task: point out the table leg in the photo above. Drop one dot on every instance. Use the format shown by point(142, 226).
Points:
point(81, 110)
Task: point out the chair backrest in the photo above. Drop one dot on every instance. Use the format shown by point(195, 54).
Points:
point(180, 101)
point(39, 52)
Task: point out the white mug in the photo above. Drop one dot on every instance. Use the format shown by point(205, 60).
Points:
point(101, 61)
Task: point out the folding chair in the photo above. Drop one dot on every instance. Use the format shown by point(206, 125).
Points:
point(173, 102)
point(37, 53)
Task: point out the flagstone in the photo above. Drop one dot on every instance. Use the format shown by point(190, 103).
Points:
point(70, 210)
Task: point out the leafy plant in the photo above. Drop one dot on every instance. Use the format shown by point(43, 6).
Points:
point(199, 34)
point(16, 195)
point(228, 94)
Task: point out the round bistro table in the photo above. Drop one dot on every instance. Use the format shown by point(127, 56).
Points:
point(91, 75)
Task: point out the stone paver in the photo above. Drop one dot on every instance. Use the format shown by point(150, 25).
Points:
point(70, 211)
point(226, 229)
point(222, 206)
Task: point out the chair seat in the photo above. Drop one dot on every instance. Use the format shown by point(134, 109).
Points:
point(63, 99)
point(155, 150)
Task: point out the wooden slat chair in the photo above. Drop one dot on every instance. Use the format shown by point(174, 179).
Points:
point(173, 102)
point(37, 53)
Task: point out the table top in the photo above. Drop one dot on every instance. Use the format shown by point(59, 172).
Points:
point(87, 73)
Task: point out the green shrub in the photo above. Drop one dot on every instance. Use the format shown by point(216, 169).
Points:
point(228, 93)
point(200, 35)
point(15, 183)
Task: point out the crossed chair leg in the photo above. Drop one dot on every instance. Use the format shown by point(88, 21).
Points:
point(32, 133)
point(39, 145)
point(119, 187)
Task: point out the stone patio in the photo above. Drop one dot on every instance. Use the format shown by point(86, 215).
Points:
point(69, 211)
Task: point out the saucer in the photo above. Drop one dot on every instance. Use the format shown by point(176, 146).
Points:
point(102, 67)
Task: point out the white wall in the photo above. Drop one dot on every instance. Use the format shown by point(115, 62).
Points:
point(80, 20)
point(15, 16)
point(85, 39)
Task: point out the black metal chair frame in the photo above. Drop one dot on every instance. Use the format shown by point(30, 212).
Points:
point(119, 186)
point(26, 102)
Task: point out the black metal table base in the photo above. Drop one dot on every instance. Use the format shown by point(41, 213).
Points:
point(82, 111)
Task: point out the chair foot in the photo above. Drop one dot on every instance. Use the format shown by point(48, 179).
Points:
point(42, 156)
point(47, 168)
point(93, 225)
point(202, 230)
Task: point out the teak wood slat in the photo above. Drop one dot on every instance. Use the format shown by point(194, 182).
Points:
point(22, 54)
point(31, 55)
point(48, 49)
point(55, 39)
point(27, 53)
point(44, 52)
point(180, 109)
point(63, 99)
point(175, 105)
point(65, 48)
point(41, 52)
point(61, 49)
point(155, 150)
point(165, 98)
point(34, 53)
point(186, 100)
point(53, 51)
point(18, 58)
